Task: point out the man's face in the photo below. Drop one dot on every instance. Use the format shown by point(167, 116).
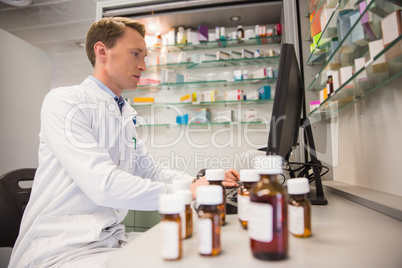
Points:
point(126, 61)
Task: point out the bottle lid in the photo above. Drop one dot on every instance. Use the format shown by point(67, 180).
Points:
point(298, 186)
point(249, 175)
point(215, 174)
point(171, 204)
point(187, 196)
point(268, 164)
point(181, 184)
point(240, 26)
point(209, 195)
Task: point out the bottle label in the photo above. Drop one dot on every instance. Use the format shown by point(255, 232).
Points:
point(296, 220)
point(183, 224)
point(260, 222)
point(243, 203)
point(205, 236)
point(170, 240)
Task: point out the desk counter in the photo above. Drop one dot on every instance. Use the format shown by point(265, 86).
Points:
point(345, 234)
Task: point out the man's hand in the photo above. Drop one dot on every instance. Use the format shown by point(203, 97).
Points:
point(231, 176)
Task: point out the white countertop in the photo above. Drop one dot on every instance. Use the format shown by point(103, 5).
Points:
point(345, 234)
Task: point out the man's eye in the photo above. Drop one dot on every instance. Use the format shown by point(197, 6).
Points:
point(136, 54)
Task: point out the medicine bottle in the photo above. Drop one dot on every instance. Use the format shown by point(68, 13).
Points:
point(248, 177)
point(268, 220)
point(181, 36)
point(170, 207)
point(299, 207)
point(158, 39)
point(240, 32)
point(209, 197)
point(187, 215)
point(330, 84)
point(216, 177)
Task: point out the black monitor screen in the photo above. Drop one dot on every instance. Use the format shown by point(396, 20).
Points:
point(287, 107)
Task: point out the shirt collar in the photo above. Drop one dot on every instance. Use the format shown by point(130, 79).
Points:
point(120, 100)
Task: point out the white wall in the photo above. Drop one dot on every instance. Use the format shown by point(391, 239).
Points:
point(370, 142)
point(25, 75)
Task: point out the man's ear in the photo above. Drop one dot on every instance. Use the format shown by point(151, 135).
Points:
point(100, 51)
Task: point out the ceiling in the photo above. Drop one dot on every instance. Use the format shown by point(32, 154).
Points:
point(55, 26)
point(59, 26)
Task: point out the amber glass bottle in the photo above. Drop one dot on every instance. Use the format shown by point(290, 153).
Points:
point(170, 207)
point(248, 177)
point(330, 84)
point(209, 198)
point(216, 177)
point(187, 214)
point(299, 207)
point(267, 224)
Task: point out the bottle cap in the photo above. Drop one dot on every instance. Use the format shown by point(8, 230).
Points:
point(240, 26)
point(268, 164)
point(249, 175)
point(187, 196)
point(171, 204)
point(298, 186)
point(209, 195)
point(181, 184)
point(215, 174)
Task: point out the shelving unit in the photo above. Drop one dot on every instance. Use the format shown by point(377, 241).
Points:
point(353, 89)
point(204, 67)
point(218, 44)
point(215, 64)
point(209, 84)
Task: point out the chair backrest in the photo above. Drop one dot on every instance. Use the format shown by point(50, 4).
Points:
point(13, 200)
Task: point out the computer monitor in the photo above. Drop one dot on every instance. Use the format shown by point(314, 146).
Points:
point(287, 106)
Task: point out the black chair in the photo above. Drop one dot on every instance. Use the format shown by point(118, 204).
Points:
point(13, 200)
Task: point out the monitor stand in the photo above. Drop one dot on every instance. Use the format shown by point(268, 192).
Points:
point(316, 195)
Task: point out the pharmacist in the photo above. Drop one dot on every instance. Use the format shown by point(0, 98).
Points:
point(92, 166)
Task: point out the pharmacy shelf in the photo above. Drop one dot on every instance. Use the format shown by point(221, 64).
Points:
point(308, 11)
point(204, 103)
point(264, 40)
point(208, 84)
point(378, 73)
point(338, 58)
point(242, 123)
point(217, 63)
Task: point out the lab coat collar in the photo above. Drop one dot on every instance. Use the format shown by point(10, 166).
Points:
point(100, 94)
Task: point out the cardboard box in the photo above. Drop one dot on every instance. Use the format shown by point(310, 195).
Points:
point(343, 26)
point(346, 74)
point(391, 27)
point(233, 95)
point(358, 36)
point(182, 119)
point(144, 99)
point(264, 92)
point(376, 47)
point(314, 105)
point(210, 95)
point(225, 116)
point(202, 33)
point(202, 116)
point(370, 25)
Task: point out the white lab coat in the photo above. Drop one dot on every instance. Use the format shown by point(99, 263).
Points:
point(91, 172)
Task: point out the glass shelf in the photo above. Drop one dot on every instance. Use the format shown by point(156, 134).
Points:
point(216, 63)
point(256, 123)
point(208, 103)
point(308, 11)
point(338, 58)
point(266, 40)
point(209, 84)
point(377, 73)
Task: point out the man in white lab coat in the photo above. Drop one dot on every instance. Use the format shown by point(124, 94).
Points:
point(92, 166)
